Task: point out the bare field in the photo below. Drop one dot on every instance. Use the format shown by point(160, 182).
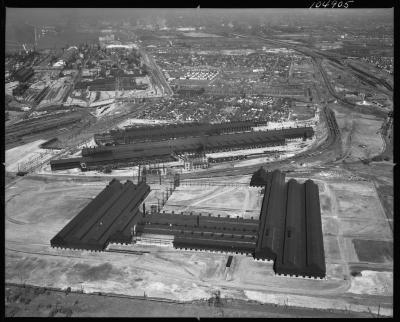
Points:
point(381, 173)
point(225, 201)
point(378, 229)
point(330, 226)
point(351, 215)
point(374, 251)
point(325, 203)
point(373, 283)
point(348, 251)
point(336, 271)
point(332, 250)
point(22, 153)
point(385, 193)
point(357, 200)
point(164, 272)
point(360, 134)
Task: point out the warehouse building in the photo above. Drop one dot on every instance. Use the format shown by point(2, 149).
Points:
point(115, 216)
point(204, 232)
point(158, 132)
point(169, 149)
point(290, 231)
point(260, 178)
point(110, 217)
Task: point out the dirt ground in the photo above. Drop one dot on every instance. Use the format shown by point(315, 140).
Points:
point(360, 134)
point(244, 202)
point(360, 211)
point(381, 174)
point(36, 302)
point(183, 275)
point(21, 154)
point(375, 251)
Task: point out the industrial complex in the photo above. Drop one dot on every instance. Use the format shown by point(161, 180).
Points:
point(158, 132)
point(199, 163)
point(165, 144)
point(288, 230)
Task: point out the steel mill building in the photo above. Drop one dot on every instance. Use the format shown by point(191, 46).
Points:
point(160, 144)
point(288, 230)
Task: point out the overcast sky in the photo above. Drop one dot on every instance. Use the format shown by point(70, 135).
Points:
point(54, 15)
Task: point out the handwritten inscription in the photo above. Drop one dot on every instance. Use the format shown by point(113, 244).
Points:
point(331, 4)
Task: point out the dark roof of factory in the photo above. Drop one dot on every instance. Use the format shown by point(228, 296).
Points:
point(204, 232)
point(260, 178)
point(163, 150)
point(290, 231)
point(130, 135)
point(109, 217)
point(191, 143)
point(185, 144)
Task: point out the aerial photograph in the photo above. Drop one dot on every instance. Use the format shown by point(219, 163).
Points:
point(199, 162)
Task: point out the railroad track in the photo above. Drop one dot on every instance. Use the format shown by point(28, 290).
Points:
point(332, 140)
point(126, 251)
point(317, 56)
point(16, 131)
point(143, 298)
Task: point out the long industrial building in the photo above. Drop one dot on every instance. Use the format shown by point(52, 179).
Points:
point(288, 230)
point(108, 218)
point(167, 150)
point(160, 132)
point(204, 232)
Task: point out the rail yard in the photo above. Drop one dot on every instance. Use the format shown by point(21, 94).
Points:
point(180, 166)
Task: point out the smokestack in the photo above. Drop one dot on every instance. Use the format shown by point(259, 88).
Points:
point(144, 209)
